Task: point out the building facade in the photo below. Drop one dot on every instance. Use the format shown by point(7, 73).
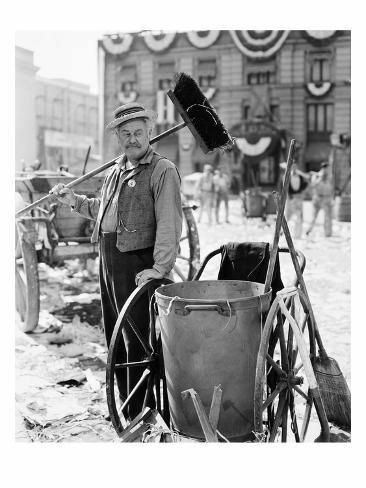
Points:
point(56, 120)
point(66, 116)
point(267, 87)
point(25, 123)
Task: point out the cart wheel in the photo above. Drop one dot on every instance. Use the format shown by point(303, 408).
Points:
point(188, 259)
point(285, 384)
point(152, 379)
point(26, 278)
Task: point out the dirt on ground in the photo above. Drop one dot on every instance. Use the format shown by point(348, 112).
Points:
point(60, 367)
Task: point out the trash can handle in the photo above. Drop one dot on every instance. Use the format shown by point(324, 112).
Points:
point(209, 307)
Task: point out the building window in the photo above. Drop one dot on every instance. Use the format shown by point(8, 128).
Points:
point(165, 109)
point(206, 73)
point(80, 119)
point(245, 111)
point(319, 119)
point(319, 66)
point(93, 123)
point(264, 76)
point(41, 110)
point(128, 84)
point(57, 109)
point(320, 70)
point(275, 112)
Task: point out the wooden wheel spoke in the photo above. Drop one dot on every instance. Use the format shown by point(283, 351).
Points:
point(146, 373)
point(144, 362)
point(278, 418)
point(275, 366)
point(149, 386)
point(297, 369)
point(306, 420)
point(284, 358)
point(300, 392)
point(294, 426)
point(273, 395)
point(131, 323)
point(284, 418)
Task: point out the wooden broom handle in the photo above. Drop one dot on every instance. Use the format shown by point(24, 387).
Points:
point(280, 213)
point(300, 278)
point(96, 171)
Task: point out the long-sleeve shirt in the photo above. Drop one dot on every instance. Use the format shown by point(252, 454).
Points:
point(165, 188)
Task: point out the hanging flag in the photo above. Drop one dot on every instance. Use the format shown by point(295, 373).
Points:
point(259, 44)
point(117, 44)
point(158, 42)
point(319, 89)
point(203, 39)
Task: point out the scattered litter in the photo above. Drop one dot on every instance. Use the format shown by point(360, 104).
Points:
point(47, 323)
point(60, 339)
point(71, 350)
point(50, 406)
point(92, 363)
point(82, 298)
point(73, 378)
point(97, 410)
point(93, 383)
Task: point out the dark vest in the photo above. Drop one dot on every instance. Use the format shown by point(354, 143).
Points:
point(136, 227)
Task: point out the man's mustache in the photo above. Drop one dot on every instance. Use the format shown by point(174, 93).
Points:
point(134, 145)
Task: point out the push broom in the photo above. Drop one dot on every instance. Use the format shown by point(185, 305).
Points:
point(197, 114)
point(332, 384)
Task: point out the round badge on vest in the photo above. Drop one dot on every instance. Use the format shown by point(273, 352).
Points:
point(131, 183)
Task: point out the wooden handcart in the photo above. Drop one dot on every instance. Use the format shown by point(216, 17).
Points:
point(280, 392)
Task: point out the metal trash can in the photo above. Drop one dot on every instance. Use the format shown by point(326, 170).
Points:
point(211, 332)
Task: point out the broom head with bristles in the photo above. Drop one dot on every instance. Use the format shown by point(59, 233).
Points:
point(334, 391)
point(200, 116)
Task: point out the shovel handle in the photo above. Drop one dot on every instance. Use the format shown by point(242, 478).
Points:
point(280, 213)
point(300, 278)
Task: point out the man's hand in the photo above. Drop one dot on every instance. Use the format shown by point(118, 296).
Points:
point(63, 194)
point(146, 275)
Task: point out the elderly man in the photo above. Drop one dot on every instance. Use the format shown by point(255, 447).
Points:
point(138, 226)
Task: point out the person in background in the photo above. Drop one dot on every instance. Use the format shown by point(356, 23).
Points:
point(138, 226)
point(222, 187)
point(205, 192)
point(322, 186)
point(294, 204)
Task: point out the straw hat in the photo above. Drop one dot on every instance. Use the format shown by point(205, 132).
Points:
point(130, 111)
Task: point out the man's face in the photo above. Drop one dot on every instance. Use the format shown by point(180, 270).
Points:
point(133, 137)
